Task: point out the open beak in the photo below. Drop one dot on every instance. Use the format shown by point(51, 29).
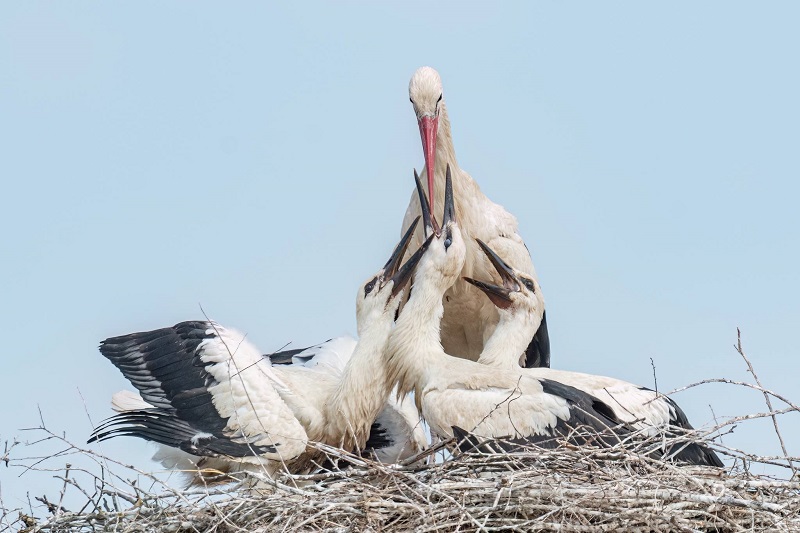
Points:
point(428, 126)
point(428, 221)
point(403, 275)
point(498, 295)
point(506, 272)
point(393, 264)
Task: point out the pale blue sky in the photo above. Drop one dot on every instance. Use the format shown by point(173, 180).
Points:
point(257, 160)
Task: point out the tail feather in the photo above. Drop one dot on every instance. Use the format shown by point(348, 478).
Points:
point(126, 400)
point(164, 427)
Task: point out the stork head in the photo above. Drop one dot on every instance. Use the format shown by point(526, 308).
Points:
point(381, 294)
point(518, 292)
point(425, 93)
point(444, 259)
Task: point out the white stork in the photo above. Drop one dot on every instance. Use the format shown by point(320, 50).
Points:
point(208, 392)
point(468, 319)
point(455, 392)
point(520, 305)
point(491, 401)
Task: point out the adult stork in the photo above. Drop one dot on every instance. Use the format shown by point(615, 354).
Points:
point(519, 301)
point(453, 392)
point(208, 392)
point(468, 319)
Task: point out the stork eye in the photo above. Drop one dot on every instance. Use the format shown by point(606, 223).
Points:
point(528, 284)
point(447, 242)
point(369, 286)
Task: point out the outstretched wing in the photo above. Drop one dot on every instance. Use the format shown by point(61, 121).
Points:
point(211, 392)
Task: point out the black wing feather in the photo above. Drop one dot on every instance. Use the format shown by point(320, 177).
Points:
point(537, 354)
point(161, 363)
point(284, 357)
point(686, 452)
point(378, 438)
point(165, 365)
point(591, 420)
point(163, 427)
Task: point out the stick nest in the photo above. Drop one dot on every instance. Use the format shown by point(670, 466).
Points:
point(564, 489)
point(567, 489)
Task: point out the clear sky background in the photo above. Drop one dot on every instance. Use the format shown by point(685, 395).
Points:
point(256, 160)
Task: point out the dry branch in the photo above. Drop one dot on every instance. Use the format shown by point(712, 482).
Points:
point(569, 489)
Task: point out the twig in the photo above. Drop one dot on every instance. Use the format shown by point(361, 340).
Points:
point(619, 487)
point(655, 378)
point(766, 398)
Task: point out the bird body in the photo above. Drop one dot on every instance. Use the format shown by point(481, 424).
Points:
point(395, 434)
point(520, 306)
point(207, 391)
point(489, 402)
point(468, 320)
point(486, 401)
point(639, 406)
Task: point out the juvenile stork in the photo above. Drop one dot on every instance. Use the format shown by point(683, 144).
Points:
point(453, 392)
point(520, 304)
point(208, 392)
point(469, 319)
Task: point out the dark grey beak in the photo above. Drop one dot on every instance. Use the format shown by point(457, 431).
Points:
point(403, 275)
point(449, 203)
point(506, 272)
point(393, 264)
point(428, 222)
point(498, 295)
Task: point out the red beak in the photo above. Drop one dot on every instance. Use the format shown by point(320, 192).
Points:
point(428, 126)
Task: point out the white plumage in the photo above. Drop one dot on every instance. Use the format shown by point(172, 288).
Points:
point(501, 399)
point(450, 391)
point(468, 319)
point(208, 392)
point(519, 302)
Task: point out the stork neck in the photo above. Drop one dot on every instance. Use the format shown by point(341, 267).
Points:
point(445, 155)
point(445, 152)
point(361, 392)
point(464, 187)
point(414, 344)
point(509, 340)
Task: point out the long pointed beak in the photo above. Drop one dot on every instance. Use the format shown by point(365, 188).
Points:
point(506, 272)
point(500, 296)
point(407, 270)
point(428, 221)
point(428, 126)
point(449, 202)
point(393, 264)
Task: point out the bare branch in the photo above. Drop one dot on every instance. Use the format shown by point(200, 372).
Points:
point(614, 486)
point(766, 398)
